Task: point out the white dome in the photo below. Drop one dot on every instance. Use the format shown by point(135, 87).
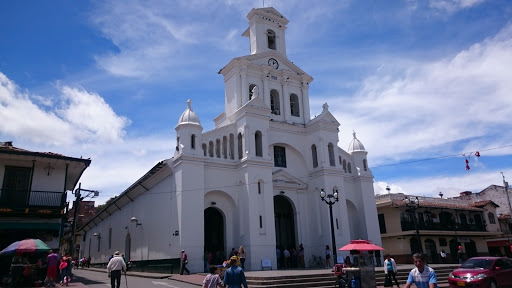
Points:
point(355, 145)
point(189, 116)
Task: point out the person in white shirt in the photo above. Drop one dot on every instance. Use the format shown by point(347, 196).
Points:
point(115, 266)
point(390, 270)
point(423, 276)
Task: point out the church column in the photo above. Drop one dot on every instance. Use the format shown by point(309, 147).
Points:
point(238, 90)
point(245, 87)
point(286, 101)
point(266, 87)
point(248, 143)
point(305, 101)
point(321, 151)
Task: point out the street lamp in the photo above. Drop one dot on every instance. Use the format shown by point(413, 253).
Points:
point(330, 203)
point(136, 221)
point(412, 204)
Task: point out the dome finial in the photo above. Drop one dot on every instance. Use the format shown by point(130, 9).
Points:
point(354, 134)
point(189, 104)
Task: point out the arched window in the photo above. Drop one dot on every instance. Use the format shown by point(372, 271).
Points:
point(274, 102)
point(193, 141)
point(294, 105)
point(231, 146)
point(259, 146)
point(365, 165)
point(314, 155)
point(251, 87)
point(463, 218)
point(210, 148)
point(204, 149)
point(492, 220)
point(345, 165)
point(349, 168)
point(339, 158)
point(225, 147)
point(330, 148)
point(260, 186)
point(217, 148)
point(279, 156)
point(271, 36)
point(240, 147)
point(177, 143)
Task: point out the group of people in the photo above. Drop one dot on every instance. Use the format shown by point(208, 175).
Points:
point(422, 275)
point(234, 276)
point(290, 257)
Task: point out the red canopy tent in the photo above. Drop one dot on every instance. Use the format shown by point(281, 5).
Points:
point(361, 245)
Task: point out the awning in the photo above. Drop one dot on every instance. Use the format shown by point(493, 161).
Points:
point(34, 226)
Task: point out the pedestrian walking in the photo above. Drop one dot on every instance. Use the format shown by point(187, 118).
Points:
point(115, 267)
point(184, 262)
point(390, 271)
point(212, 280)
point(301, 256)
point(52, 261)
point(423, 276)
point(327, 257)
point(443, 256)
point(460, 255)
point(234, 276)
point(242, 255)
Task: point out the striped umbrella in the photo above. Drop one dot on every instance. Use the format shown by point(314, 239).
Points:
point(25, 246)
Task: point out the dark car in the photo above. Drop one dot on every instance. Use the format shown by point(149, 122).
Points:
point(492, 272)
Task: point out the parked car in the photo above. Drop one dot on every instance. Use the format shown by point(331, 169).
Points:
point(492, 272)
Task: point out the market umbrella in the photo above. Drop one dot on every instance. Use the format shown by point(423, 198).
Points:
point(25, 246)
point(361, 245)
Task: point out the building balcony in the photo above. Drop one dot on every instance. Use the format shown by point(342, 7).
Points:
point(42, 203)
point(432, 226)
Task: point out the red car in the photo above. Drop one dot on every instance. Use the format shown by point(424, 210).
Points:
point(485, 272)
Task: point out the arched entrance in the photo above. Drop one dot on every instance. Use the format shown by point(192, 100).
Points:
point(470, 249)
point(128, 246)
point(284, 218)
point(431, 251)
point(214, 234)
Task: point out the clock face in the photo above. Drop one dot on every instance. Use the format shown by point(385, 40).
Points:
point(273, 63)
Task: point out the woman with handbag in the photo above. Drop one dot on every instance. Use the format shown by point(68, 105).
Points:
point(390, 270)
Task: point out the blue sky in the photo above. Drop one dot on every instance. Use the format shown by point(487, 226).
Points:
point(415, 79)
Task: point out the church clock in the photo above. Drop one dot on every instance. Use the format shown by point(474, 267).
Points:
point(273, 63)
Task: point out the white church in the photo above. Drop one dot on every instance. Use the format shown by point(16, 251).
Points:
point(255, 180)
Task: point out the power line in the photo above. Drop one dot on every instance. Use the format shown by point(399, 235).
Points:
point(436, 158)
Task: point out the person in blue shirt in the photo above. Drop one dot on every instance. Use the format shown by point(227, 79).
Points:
point(423, 276)
point(234, 276)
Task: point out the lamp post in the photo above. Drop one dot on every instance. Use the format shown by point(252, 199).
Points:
point(505, 184)
point(333, 198)
point(413, 204)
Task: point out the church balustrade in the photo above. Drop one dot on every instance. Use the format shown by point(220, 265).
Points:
point(408, 225)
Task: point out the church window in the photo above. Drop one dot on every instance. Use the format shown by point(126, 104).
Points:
point(492, 220)
point(294, 105)
point(231, 146)
point(330, 148)
point(217, 148)
point(258, 142)
point(274, 102)
point(177, 143)
point(110, 238)
point(337, 224)
point(349, 168)
point(250, 90)
point(271, 36)
point(339, 158)
point(259, 186)
point(345, 165)
point(240, 147)
point(365, 165)
point(279, 156)
point(261, 222)
point(193, 141)
point(210, 149)
point(315, 156)
point(225, 147)
point(204, 149)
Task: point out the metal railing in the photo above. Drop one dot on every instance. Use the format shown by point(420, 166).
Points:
point(409, 225)
point(31, 199)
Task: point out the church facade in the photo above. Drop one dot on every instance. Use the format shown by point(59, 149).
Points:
point(255, 180)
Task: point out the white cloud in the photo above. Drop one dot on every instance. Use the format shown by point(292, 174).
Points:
point(450, 186)
point(426, 107)
point(81, 117)
point(451, 6)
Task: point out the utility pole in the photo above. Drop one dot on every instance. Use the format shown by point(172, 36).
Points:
point(505, 184)
point(76, 206)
